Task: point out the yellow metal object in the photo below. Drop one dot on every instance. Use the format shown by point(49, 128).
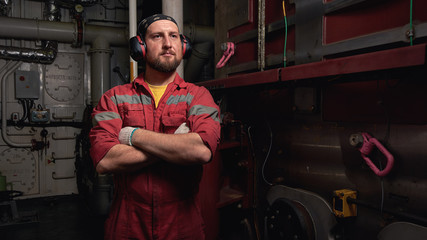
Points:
point(341, 207)
point(133, 70)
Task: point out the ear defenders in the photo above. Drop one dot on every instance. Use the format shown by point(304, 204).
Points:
point(138, 48)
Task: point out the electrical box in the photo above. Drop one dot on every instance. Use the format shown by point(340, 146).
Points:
point(342, 208)
point(27, 84)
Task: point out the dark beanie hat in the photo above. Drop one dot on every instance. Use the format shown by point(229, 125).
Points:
point(146, 22)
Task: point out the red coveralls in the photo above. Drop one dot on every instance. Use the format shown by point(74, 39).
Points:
point(160, 201)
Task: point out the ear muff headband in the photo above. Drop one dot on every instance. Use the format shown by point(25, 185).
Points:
point(186, 46)
point(143, 46)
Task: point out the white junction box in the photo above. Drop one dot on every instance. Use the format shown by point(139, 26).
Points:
point(27, 84)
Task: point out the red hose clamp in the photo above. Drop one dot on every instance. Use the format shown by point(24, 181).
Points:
point(368, 145)
point(226, 56)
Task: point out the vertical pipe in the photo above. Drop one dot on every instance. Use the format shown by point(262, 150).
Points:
point(132, 32)
point(100, 68)
point(175, 9)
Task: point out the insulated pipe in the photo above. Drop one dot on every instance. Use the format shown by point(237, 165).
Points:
point(45, 55)
point(175, 9)
point(132, 32)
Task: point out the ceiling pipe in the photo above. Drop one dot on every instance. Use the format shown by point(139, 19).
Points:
point(44, 55)
point(99, 37)
point(65, 32)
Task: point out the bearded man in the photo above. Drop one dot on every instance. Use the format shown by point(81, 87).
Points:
point(154, 135)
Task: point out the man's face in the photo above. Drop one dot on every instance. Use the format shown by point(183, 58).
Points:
point(164, 49)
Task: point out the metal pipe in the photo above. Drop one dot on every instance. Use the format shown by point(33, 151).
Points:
point(406, 216)
point(200, 54)
point(65, 32)
point(202, 39)
point(132, 32)
point(198, 34)
point(30, 29)
point(115, 36)
point(175, 9)
point(100, 37)
point(100, 68)
point(261, 35)
point(46, 54)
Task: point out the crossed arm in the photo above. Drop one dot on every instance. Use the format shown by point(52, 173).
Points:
point(149, 147)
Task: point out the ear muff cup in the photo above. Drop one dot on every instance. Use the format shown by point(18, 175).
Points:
point(138, 48)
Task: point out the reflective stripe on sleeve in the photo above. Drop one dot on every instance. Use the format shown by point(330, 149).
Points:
point(201, 109)
point(104, 116)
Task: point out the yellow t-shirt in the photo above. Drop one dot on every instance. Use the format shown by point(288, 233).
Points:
point(158, 92)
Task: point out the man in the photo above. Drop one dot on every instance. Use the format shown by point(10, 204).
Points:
point(154, 134)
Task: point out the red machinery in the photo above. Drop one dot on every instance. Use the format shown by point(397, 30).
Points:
point(303, 78)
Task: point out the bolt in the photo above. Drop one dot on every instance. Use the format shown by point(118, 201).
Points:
point(356, 139)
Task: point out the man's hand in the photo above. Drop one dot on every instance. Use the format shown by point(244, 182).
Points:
point(182, 129)
point(125, 135)
point(184, 147)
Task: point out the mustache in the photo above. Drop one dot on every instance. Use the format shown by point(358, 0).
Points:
point(168, 52)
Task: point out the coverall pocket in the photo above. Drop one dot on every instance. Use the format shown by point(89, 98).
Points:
point(133, 115)
point(171, 122)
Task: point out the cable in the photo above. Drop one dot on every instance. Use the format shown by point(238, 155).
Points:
point(385, 140)
point(255, 176)
point(24, 109)
point(286, 33)
point(268, 153)
point(266, 157)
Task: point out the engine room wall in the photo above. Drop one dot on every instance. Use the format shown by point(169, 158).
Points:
point(42, 158)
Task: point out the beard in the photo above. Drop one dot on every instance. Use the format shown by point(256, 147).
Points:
point(163, 66)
